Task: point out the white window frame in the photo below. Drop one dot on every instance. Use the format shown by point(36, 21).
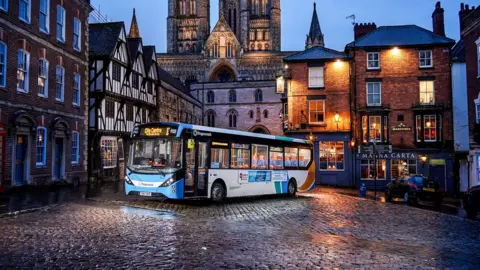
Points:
point(43, 76)
point(420, 58)
point(3, 64)
point(5, 7)
point(373, 60)
point(425, 128)
point(62, 93)
point(62, 23)
point(44, 147)
point(316, 80)
point(309, 112)
point(29, 7)
point(373, 93)
point(77, 31)
point(76, 89)
point(426, 93)
point(76, 145)
point(25, 70)
point(335, 153)
point(47, 17)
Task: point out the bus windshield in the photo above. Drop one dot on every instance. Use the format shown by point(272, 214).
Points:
point(156, 155)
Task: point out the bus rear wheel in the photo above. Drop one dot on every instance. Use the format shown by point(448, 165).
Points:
point(218, 192)
point(291, 189)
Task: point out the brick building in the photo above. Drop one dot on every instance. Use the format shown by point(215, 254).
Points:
point(402, 97)
point(43, 77)
point(317, 84)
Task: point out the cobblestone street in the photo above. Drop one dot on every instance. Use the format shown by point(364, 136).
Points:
point(312, 231)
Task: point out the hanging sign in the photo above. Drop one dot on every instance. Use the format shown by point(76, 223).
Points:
point(191, 143)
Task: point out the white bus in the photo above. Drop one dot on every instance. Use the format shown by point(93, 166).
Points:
point(180, 161)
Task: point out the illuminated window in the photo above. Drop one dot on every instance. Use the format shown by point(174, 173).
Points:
point(43, 78)
point(109, 150)
point(23, 71)
point(41, 146)
point(291, 157)
point(332, 156)
point(220, 158)
point(259, 156)
point(315, 77)
point(426, 92)
point(369, 170)
point(316, 111)
point(402, 167)
point(304, 157)
point(430, 128)
point(240, 156)
point(276, 158)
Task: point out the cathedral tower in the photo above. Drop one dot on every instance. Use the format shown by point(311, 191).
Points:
point(315, 36)
point(188, 25)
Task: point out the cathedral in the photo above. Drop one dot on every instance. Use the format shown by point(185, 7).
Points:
point(232, 68)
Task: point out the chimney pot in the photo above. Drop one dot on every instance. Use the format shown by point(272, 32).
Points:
point(438, 5)
point(362, 29)
point(462, 6)
point(438, 20)
point(467, 7)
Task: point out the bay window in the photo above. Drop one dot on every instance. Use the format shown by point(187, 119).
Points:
point(428, 128)
point(374, 128)
point(332, 156)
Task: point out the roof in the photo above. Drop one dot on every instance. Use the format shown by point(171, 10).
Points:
point(316, 53)
point(400, 35)
point(166, 77)
point(134, 32)
point(458, 52)
point(147, 57)
point(103, 38)
point(133, 44)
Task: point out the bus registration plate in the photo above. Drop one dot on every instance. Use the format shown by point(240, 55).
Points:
point(146, 194)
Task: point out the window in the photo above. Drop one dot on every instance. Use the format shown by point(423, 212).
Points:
point(22, 71)
point(315, 77)
point(276, 158)
point(41, 146)
point(43, 78)
point(109, 109)
point(252, 35)
point(211, 119)
point(135, 80)
point(259, 156)
point(109, 150)
point(59, 83)
point(426, 92)
point(250, 114)
point(240, 156)
point(24, 10)
point(76, 89)
point(61, 24)
point(291, 157)
point(116, 71)
point(3, 64)
point(44, 17)
point(425, 59)
point(220, 158)
point(316, 111)
point(77, 28)
point(4, 5)
point(149, 87)
point(75, 147)
point(265, 114)
point(477, 112)
point(375, 129)
point(232, 119)
point(183, 7)
point(368, 170)
point(478, 57)
point(144, 116)
point(267, 35)
point(215, 50)
point(400, 118)
point(332, 156)
point(402, 167)
point(210, 97)
point(373, 60)
point(304, 157)
point(430, 128)
point(193, 7)
point(232, 96)
point(229, 50)
point(374, 94)
point(129, 113)
point(258, 95)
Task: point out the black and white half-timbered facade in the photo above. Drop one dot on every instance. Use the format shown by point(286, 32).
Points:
point(123, 93)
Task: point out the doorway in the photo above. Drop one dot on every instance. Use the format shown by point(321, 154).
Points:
point(21, 157)
point(202, 169)
point(58, 159)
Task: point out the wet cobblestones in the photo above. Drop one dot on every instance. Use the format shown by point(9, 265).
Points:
point(321, 230)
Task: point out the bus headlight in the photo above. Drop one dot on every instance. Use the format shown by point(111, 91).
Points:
point(128, 181)
point(169, 181)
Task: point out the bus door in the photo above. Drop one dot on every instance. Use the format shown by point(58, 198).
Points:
point(201, 177)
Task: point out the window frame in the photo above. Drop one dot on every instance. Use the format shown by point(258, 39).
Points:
point(285, 158)
point(373, 93)
point(366, 128)
point(44, 77)
point(47, 17)
point(258, 95)
point(408, 165)
point(210, 97)
point(4, 8)
point(368, 60)
point(62, 23)
point(425, 128)
point(3, 70)
point(336, 153)
point(369, 164)
point(44, 147)
point(25, 70)
point(77, 22)
point(76, 145)
point(114, 155)
point(277, 150)
point(28, 3)
point(76, 90)
point(267, 156)
point(420, 58)
point(316, 111)
point(247, 148)
point(426, 93)
point(118, 67)
point(321, 83)
point(62, 93)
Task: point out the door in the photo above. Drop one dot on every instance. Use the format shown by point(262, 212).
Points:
point(463, 176)
point(58, 159)
point(20, 159)
point(202, 169)
point(439, 173)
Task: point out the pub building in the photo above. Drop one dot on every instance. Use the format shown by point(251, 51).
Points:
point(402, 99)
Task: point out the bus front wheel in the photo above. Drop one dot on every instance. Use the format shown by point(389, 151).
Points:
point(217, 192)
point(291, 189)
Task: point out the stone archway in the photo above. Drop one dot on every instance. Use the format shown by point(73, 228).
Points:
point(260, 129)
point(223, 72)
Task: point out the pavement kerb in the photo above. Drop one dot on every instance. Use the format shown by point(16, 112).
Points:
point(25, 211)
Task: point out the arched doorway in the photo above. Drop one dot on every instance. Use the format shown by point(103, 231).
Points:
point(260, 130)
point(223, 72)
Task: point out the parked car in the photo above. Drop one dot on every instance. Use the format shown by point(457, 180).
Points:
point(471, 201)
point(413, 188)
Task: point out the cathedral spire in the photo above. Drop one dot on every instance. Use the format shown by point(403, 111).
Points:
point(134, 32)
point(315, 36)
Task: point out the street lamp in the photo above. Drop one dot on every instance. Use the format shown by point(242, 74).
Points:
point(337, 119)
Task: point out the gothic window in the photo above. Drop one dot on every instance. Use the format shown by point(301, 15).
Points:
point(258, 95)
point(193, 7)
point(235, 21)
point(232, 119)
point(232, 96)
point(211, 118)
point(215, 50)
point(265, 114)
point(259, 47)
point(250, 114)
point(229, 50)
point(266, 35)
point(252, 35)
point(210, 97)
point(182, 6)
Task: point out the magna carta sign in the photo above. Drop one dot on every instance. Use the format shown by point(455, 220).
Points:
point(405, 155)
point(401, 127)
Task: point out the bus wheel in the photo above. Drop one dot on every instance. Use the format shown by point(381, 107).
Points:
point(217, 192)
point(292, 190)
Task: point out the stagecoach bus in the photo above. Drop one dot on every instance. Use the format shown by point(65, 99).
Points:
point(180, 161)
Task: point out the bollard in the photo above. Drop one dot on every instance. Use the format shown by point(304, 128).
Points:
point(363, 190)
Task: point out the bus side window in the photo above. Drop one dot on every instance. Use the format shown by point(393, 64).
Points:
point(304, 157)
point(291, 157)
point(240, 156)
point(259, 156)
point(219, 158)
point(276, 158)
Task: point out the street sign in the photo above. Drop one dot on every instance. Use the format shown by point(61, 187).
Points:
point(384, 149)
point(366, 149)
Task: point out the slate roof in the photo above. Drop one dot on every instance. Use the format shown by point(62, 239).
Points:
point(103, 38)
point(458, 52)
point(147, 57)
point(176, 83)
point(133, 44)
point(400, 35)
point(316, 53)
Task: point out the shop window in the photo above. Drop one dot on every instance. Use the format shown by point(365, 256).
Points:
point(276, 158)
point(304, 157)
point(368, 169)
point(219, 158)
point(403, 167)
point(259, 156)
point(109, 152)
point(332, 156)
point(240, 156)
point(291, 157)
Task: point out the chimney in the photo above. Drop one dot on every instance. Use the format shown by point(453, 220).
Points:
point(463, 13)
point(362, 29)
point(438, 20)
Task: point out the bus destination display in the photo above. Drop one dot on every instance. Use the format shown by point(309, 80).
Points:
point(157, 131)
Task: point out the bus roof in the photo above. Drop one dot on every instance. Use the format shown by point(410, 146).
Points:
point(182, 126)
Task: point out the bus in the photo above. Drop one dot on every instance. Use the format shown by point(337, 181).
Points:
point(180, 161)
